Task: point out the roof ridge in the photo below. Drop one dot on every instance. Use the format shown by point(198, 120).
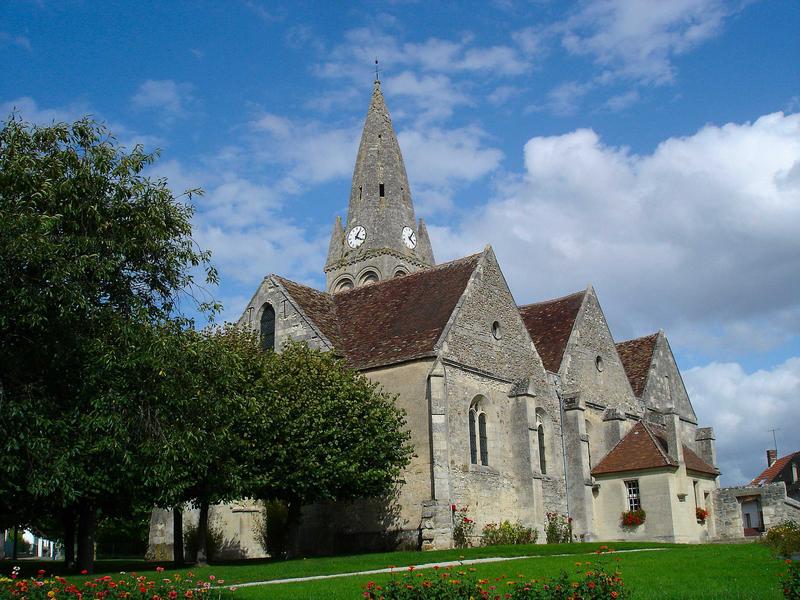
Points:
point(572, 295)
point(638, 339)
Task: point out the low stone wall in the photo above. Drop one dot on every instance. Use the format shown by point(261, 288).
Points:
point(776, 506)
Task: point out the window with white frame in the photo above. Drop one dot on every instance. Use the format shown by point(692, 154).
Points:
point(634, 499)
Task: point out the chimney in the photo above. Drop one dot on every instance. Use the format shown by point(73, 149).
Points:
point(772, 456)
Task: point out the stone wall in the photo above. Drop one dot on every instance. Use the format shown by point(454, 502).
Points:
point(290, 322)
point(776, 506)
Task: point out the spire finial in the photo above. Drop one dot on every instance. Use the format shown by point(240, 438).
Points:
point(377, 71)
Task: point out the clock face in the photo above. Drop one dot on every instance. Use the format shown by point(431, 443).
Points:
point(356, 236)
point(409, 237)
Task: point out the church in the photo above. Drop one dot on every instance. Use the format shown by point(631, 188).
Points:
point(515, 410)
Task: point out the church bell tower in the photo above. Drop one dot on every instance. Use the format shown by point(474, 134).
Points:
point(381, 238)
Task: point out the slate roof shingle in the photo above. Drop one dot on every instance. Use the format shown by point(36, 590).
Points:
point(550, 324)
point(636, 356)
point(769, 474)
point(390, 321)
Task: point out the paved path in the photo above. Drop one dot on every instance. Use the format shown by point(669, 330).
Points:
point(471, 561)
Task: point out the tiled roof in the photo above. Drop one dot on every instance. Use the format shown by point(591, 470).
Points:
point(390, 321)
point(318, 306)
point(769, 474)
point(695, 463)
point(638, 450)
point(645, 447)
point(636, 356)
point(550, 325)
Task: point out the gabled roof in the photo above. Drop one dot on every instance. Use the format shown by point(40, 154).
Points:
point(638, 450)
point(390, 321)
point(769, 474)
point(550, 324)
point(645, 447)
point(695, 463)
point(636, 356)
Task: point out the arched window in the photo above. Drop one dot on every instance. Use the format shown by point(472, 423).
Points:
point(268, 327)
point(344, 284)
point(542, 457)
point(369, 277)
point(483, 439)
point(478, 439)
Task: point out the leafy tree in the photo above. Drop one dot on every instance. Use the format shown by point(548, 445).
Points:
point(95, 259)
point(328, 433)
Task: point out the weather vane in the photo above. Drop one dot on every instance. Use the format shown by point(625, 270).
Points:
point(377, 70)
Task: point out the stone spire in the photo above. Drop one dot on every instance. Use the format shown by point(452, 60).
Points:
point(381, 238)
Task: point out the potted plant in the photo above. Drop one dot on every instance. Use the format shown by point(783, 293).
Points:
point(633, 518)
point(701, 514)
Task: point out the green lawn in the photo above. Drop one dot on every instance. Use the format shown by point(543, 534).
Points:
point(710, 571)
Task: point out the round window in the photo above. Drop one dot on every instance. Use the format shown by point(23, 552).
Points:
point(496, 332)
point(598, 362)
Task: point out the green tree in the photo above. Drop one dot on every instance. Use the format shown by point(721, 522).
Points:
point(328, 433)
point(95, 259)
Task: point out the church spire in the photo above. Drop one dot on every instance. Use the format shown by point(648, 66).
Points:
point(381, 235)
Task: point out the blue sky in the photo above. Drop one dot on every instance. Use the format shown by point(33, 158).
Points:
point(649, 148)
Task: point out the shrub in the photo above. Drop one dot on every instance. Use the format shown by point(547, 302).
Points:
point(459, 583)
point(790, 580)
point(463, 527)
point(506, 534)
point(633, 518)
point(123, 586)
point(784, 538)
point(558, 529)
point(214, 540)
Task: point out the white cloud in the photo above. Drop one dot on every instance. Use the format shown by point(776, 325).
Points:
point(171, 98)
point(433, 96)
point(638, 39)
point(700, 237)
point(742, 407)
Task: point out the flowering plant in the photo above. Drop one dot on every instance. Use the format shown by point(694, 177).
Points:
point(790, 580)
point(558, 529)
point(125, 586)
point(463, 527)
point(633, 518)
point(507, 533)
point(455, 582)
point(701, 514)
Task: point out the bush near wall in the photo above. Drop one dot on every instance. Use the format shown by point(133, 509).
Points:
point(784, 538)
point(506, 534)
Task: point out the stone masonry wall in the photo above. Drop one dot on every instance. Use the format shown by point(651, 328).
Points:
point(776, 506)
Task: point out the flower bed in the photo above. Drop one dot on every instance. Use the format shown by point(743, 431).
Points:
point(460, 583)
point(124, 586)
point(790, 580)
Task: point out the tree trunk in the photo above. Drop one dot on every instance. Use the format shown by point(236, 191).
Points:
point(202, 535)
point(177, 536)
point(14, 544)
point(68, 522)
point(87, 519)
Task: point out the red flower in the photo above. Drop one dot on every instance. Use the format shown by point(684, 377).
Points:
point(85, 572)
point(453, 507)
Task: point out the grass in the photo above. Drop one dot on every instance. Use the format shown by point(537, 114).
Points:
point(705, 572)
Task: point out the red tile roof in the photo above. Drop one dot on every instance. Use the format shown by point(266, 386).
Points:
point(638, 450)
point(550, 325)
point(645, 447)
point(636, 356)
point(769, 474)
point(390, 321)
point(697, 464)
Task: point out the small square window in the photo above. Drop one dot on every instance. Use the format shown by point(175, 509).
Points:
point(634, 500)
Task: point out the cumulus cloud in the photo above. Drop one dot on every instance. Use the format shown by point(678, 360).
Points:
point(638, 39)
point(700, 237)
point(172, 99)
point(743, 408)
